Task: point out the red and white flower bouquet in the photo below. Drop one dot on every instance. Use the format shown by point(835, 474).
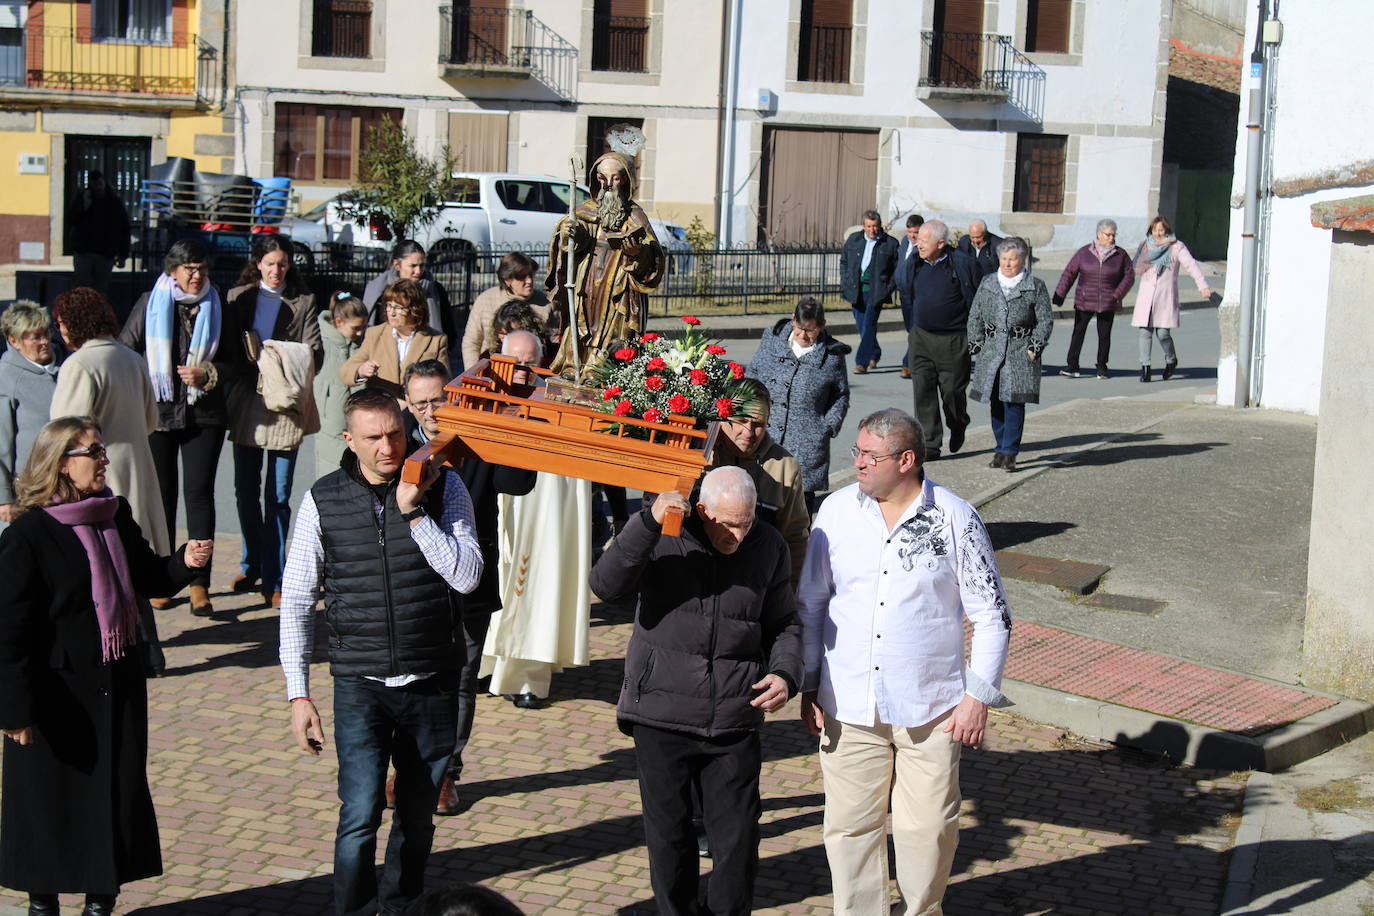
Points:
point(654, 377)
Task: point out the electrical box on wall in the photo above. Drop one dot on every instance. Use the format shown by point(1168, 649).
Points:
point(33, 164)
point(767, 102)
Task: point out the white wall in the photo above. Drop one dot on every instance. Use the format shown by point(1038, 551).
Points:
point(1317, 127)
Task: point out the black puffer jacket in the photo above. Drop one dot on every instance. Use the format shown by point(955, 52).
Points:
point(708, 625)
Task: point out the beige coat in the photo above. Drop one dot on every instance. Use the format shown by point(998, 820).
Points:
point(478, 337)
point(249, 420)
point(380, 346)
point(283, 412)
point(781, 500)
point(109, 382)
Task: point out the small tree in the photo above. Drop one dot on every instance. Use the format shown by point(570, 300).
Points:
point(396, 182)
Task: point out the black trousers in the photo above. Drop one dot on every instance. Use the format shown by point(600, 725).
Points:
point(475, 626)
point(1080, 329)
point(940, 368)
point(199, 447)
point(728, 768)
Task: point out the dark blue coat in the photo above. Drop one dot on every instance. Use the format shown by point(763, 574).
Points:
point(881, 268)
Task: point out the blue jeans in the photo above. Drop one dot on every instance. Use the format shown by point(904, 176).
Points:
point(866, 321)
point(1008, 422)
point(264, 513)
point(413, 726)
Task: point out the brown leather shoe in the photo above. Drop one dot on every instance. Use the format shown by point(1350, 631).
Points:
point(906, 372)
point(273, 599)
point(860, 369)
point(160, 604)
point(448, 797)
point(200, 601)
point(391, 791)
point(243, 584)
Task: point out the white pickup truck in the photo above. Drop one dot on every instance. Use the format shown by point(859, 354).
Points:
point(496, 210)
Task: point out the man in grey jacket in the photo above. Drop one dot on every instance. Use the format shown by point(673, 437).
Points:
point(716, 644)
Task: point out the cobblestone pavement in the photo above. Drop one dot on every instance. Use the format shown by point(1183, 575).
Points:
point(1052, 824)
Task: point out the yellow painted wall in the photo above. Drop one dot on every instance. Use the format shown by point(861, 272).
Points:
point(23, 195)
point(182, 130)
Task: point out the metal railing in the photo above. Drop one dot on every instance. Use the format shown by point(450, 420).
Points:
point(824, 54)
point(505, 39)
point(620, 44)
point(986, 63)
point(78, 59)
point(342, 28)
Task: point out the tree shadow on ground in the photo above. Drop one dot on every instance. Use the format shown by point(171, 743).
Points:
point(1119, 454)
point(1081, 439)
point(1161, 834)
point(1009, 534)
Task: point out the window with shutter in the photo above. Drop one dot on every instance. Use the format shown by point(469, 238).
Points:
point(320, 144)
point(827, 28)
point(341, 28)
point(1047, 26)
point(957, 46)
point(1040, 160)
point(620, 36)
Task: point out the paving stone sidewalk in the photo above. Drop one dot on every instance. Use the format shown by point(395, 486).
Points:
point(1052, 824)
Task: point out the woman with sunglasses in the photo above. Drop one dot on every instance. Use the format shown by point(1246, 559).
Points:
point(76, 814)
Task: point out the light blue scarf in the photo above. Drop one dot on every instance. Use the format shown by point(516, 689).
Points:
point(161, 332)
point(1161, 256)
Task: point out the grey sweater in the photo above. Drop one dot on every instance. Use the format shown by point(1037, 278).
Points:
point(25, 396)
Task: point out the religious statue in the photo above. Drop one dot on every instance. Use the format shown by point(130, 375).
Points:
point(618, 262)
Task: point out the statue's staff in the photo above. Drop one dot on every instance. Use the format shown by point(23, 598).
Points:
point(570, 266)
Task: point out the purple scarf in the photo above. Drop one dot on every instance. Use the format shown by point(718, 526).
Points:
point(92, 521)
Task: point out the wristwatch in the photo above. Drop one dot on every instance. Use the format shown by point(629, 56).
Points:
point(413, 514)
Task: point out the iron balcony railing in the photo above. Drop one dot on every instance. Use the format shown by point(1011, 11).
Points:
point(984, 63)
point(620, 44)
point(478, 41)
point(68, 59)
point(824, 54)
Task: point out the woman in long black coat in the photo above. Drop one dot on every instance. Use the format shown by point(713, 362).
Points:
point(77, 815)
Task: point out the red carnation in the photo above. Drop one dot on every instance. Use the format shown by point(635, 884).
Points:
point(654, 383)
point(697, 377)
point(715, 350)
point(679, 403)
point(611, 392)
point(656, 363)
point(653, 415)
point(625, 354)
point(736, 369)
point(623, 408)
point(650, 337)
point(691, 319)
point(725, 407)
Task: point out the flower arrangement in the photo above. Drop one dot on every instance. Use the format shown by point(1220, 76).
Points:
point(655, 376)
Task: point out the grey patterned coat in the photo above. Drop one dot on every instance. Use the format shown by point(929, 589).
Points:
point(810, 398)
point(1000, 331)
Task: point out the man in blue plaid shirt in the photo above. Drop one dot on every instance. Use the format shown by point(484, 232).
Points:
point(387, 558)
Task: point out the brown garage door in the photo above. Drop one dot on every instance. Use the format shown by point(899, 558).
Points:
point(816, 183)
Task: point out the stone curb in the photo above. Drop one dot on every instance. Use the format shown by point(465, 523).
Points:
point(1240, 877)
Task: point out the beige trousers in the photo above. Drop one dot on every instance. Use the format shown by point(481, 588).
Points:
point(918, 768)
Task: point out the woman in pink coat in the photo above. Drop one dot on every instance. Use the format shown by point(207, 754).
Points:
point(1157, 263)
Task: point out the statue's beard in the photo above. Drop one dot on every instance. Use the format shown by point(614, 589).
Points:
point(610, 206)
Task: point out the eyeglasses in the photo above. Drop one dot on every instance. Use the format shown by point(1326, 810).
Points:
point(94, 452)
point(397, 307)
point(427, 406)
point(195, 270)
point(868, 459)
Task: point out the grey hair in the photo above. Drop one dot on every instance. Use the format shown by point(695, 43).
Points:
point(538, 344)
point(24, 317)
point(1013, 243)
point(938, 230)
point(728, 484)
point(978, 222)
point(874, 215)
point(1106, 224)
point(899, 428)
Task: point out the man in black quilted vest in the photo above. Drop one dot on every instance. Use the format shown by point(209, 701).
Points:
point(387, 557)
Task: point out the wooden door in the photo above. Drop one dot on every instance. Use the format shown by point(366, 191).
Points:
point(957, 51)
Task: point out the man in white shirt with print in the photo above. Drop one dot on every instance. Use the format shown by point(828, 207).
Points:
point(894, 565)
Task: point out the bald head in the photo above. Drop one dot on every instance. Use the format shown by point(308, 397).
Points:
point(523, 346)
